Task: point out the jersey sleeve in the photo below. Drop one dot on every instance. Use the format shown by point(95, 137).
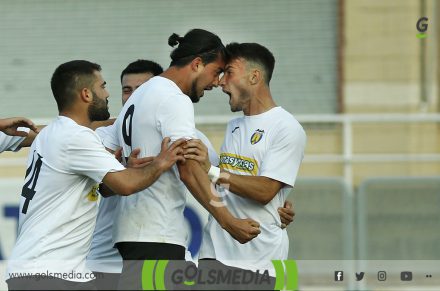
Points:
point(88, 157)
point(11, 143)
point(284, 156)
point(108, 136)
point(175, 118)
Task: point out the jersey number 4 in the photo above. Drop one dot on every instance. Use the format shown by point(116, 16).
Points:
point(28, 190)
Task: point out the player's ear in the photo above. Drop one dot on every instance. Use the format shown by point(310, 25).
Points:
point(86, 95)
point(255, 76)
point(197, 64)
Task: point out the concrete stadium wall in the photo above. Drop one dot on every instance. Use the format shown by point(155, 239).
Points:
point(382, 56)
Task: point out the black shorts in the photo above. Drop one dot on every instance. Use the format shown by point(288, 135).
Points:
point(134, 254)
point(150, 251)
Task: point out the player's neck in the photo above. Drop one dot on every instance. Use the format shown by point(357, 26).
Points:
point(80, 119)
point(260, 102)
point(180, 76)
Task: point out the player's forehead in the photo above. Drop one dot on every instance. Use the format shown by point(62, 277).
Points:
point(236, 63)
point(218, 64)
point(136, 79)
point(98, 77)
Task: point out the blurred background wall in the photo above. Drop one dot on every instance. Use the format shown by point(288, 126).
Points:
point(353, 72)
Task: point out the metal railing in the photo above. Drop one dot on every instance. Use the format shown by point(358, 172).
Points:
point(348, 157)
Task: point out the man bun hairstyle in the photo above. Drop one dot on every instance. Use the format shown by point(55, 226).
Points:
point(196, 43)
point(253, 53)
point(174, 39)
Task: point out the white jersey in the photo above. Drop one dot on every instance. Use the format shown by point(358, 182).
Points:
point(102, 256)
point(58, 204)
point(157, 109)
point(109, 140)
point(270, 144)
point(11, 143)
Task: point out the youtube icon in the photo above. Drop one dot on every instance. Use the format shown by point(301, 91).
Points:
point(406, 276)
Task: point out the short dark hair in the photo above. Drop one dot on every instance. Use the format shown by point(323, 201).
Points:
point(196, 43)
point(142, 66)
point(71, 77)
point(252, 52)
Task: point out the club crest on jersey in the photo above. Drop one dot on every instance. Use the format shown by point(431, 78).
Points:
point(257, 136)
point(93, 195)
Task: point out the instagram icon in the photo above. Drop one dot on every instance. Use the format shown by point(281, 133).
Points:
point(381, 275)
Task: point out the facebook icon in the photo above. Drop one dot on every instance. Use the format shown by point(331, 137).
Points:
point(339, 276)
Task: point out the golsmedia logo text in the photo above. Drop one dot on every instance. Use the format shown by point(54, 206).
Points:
point(192, 275)
point(213, 275)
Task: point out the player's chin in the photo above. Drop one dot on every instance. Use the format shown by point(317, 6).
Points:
point(195, 99)
point(234, 107)
point(200, 95)
point(103, 116)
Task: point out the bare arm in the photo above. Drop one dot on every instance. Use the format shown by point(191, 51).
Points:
point(9, 126)
point(95, 124)
point(287, 213)
point(133, 162)
point(196, 150)
point(132, 180)
point(31, 136)
point(259, 188)
point(197, 181)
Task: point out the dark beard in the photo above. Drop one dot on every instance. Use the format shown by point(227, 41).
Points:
point(98, 109)
point(193, 93)
point(244, 96)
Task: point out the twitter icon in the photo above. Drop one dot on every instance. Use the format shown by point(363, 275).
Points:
point(359, 276)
